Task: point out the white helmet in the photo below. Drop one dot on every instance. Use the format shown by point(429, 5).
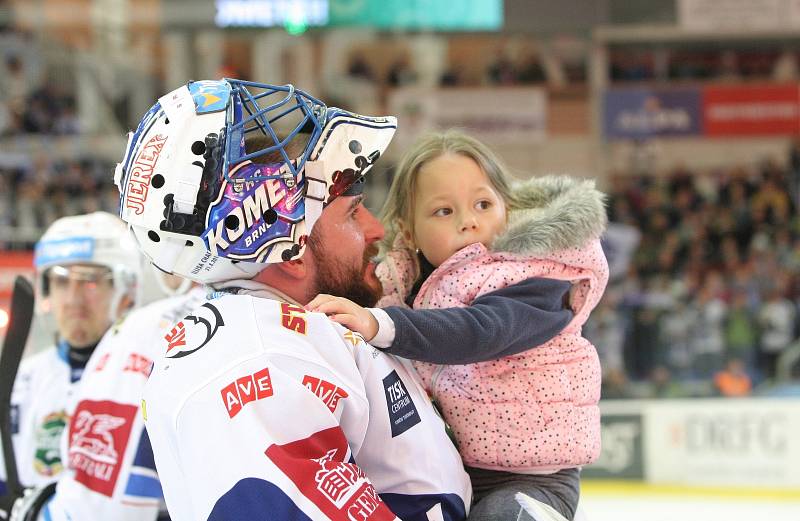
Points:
point(211, 186)
point(98, 238)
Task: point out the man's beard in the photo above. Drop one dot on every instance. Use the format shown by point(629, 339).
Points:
point(335, 278)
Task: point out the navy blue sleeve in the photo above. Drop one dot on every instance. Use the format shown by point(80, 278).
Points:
point(504, 322)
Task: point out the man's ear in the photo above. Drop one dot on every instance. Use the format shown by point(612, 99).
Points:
point(295, 269)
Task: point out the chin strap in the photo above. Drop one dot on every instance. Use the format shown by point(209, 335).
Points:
point(316, 190)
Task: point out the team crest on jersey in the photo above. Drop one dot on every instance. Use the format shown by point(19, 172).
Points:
point(317, 466)
point(194, 331)
point(98, 435)
point(47, 458)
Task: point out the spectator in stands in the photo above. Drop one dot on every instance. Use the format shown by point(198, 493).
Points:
point(500, 70)
point(728, 69)
point(451, 77)
point(358, 68)
point(615, 385)
point(708, 338)
point(606, 330)
point(662, 385)
point(785, 68)
point(733, 380)
point(531, 69)
point(401, 73)
point(640, 354)
point(675, 332)
point(741, 330)
point(777, 322)
point(794, 171)
point(14, 88)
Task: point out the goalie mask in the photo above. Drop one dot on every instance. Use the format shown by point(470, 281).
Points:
point(222, 177)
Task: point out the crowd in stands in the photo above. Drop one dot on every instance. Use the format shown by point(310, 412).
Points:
point(704, 65)
point(35, 195)
point(709, 302)
point(48, 108)
point(710, 299)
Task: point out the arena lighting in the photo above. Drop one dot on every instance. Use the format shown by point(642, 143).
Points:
point(295, 15)
point(3, 318)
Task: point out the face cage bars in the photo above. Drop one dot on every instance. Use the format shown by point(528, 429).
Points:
point(261, 120)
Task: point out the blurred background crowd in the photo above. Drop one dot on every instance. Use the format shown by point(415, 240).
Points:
point(705, 235)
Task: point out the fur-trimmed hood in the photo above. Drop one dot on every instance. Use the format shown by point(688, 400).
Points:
point(553, 213)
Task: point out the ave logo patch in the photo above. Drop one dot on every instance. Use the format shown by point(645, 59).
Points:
point(194, 331)
point(325, 391)
point(246, 389)
point(98, 435)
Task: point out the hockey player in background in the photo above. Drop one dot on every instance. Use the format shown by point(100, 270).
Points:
point(87, 267)
point(109, 470)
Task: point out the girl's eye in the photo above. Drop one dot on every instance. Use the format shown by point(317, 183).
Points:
point(483, 205)
point(441, 212)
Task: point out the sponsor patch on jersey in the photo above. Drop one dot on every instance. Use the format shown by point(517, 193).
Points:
point(47, 455)
point(325, 391)
point(194, 331)
point(99, 433)
point(293, 318)
point(137, 363)
point(403, 413)
point(354, 338)
point(316, 465)
point(246, 389)
point(101, 363)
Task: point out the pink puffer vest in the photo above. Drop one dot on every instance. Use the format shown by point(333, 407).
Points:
point(535, 412)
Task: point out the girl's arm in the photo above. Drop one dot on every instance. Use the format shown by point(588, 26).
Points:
point(504, 322)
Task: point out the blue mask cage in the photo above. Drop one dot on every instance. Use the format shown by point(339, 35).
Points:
point(255, 108)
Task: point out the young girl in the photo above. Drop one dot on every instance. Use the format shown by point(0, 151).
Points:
point(459, 231)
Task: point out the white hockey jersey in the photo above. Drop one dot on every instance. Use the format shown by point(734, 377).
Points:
point(109, 471)
point(259, 410)
point(39, 414)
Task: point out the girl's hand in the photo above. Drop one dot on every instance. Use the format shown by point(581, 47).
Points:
point(347, 313)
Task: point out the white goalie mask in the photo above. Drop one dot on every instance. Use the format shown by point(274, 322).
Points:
point(223, 177)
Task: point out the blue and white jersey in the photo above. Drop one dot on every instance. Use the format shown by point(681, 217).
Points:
point(110, 473)
point(39, 414)
point(259, 410)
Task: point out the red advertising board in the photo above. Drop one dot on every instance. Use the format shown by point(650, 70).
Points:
point(740, 110)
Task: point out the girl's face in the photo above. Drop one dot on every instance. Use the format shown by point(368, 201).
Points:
point(455, 206)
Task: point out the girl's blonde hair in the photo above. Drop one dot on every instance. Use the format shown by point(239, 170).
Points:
point(399, 206)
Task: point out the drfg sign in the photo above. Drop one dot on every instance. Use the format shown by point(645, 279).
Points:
point(750, 443)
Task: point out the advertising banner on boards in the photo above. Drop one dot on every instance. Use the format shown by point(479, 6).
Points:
point(641, 113)
point(753, 110)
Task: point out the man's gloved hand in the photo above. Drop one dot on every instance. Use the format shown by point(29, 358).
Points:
point(6, 503)
point(27, 507)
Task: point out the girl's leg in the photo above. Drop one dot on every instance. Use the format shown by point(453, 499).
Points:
point(560, 490)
